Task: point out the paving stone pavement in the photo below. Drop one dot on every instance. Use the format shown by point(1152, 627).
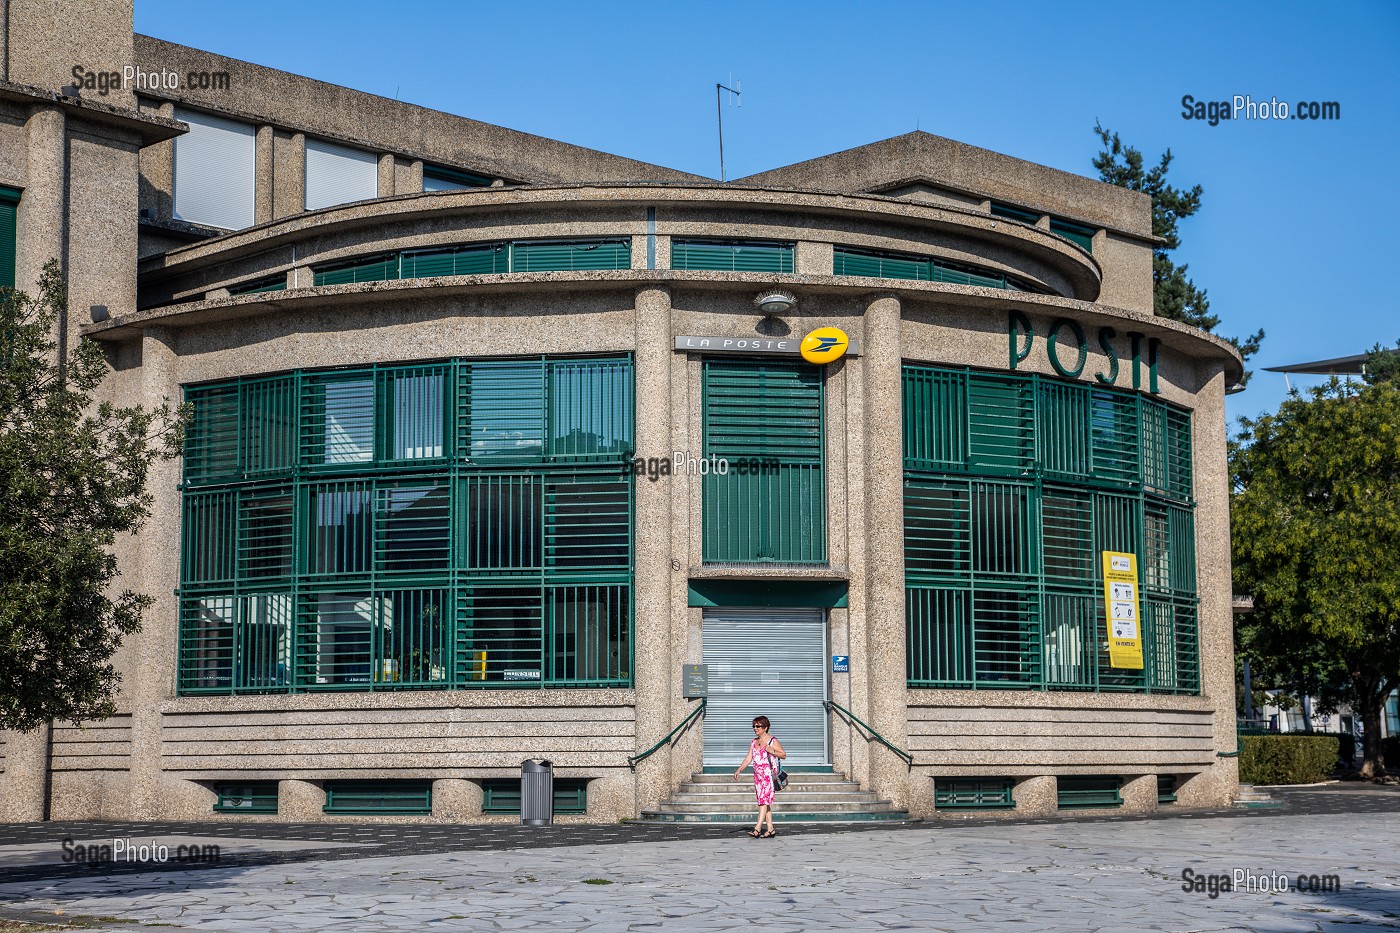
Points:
point(1028, 876)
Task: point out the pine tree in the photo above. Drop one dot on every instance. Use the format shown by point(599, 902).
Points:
point(1174, 294)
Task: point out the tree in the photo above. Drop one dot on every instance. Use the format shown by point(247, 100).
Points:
point(1382, 364)
point(1174, 294)
point(1315, 514)
point(72, 477)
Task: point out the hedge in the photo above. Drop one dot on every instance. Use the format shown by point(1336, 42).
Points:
point(1286, 759)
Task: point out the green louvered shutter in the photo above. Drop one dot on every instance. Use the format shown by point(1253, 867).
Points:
point(570, 257)
point(765, 420)
point(9, 202)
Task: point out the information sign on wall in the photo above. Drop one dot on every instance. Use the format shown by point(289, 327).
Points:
point(1120, 593)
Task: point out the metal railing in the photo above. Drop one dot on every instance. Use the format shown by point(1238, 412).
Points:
point(694, 714)
point(908, 758)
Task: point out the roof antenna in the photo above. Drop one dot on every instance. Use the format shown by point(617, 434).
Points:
point(719, 113)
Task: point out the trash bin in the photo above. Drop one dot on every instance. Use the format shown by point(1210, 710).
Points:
point(536, 792)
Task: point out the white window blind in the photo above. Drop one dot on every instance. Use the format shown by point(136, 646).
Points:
point(339, 174)
point(214, 176)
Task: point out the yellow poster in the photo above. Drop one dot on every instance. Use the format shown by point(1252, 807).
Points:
point(1120, 596)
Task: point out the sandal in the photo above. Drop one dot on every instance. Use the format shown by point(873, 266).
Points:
point(755, 834)
point(769, 835)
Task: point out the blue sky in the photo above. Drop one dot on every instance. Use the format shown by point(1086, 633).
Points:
point(1300, 219)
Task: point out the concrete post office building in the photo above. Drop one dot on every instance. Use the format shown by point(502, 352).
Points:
point(492, 440)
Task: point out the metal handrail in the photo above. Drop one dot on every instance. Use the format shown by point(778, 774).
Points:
point(908, 758)
point(633, 760)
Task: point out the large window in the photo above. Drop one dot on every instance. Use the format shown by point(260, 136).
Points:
point(885, 265)
point(460, 523)
point(764, 420)
point(732, 255)
point(1013, 487)
point(339, 174)
point(214, 171)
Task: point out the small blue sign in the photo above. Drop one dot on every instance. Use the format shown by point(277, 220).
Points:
point(840, 664)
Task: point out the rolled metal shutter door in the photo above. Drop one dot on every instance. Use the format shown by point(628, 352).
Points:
point(769, 662)
point(214, 171)
point(339, 174)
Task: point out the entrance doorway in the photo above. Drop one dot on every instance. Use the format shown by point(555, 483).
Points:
point(769, 662)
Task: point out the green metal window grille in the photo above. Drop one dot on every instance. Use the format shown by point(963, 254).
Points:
point(482, 259)
point(1078, 234)
point(973, 794)
point(1087, 793)
point(847, 261)
point(454, 524)
point(9, 210)
point(379, 797)
point(773, 413)
point(1014, 485)
point(732, 255)
point(1166, 789)
point(271, 283)
point(1012, 212)
point(246, 797)
point(503, 795)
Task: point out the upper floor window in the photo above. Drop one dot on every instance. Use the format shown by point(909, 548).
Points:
point(439, 178)
point(339, 174)
point(9, 202)
point(732, 255)
point(1011, 212)
point(214, 171)
point(1078, 234)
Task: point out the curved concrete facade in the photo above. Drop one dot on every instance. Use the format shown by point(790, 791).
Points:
point(164, 753)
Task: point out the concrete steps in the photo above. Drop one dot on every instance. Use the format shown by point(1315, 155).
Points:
point(810, 797)
point(1248, 797)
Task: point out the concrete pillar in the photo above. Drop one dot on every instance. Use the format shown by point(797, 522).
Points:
point(456, 800)
point(300, 801)
point(386, 175)
point(1140, 793)
point(1036, 796)
point(813, 258)
point(1215, 612)
point(884, 583)
point(157, 170)
point(408, 176)
point(157, 564)
point(264, 175)
point(657, 705)
point(43, 209)
point(22, 785)
point(289, 165)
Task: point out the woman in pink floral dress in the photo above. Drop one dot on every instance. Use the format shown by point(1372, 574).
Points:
point(762, 752)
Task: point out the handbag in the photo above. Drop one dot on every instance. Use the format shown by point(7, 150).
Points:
point(780, 777)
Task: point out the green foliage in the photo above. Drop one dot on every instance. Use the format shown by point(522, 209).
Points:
point(1314, 518)
point(1383, 364)
point(1286, 759)
point(1174, 294)
point(72, 477)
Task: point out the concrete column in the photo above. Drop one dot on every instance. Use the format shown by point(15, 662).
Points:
point(1037, 796)
point(884, 510)
point(157, 563)
point(264, 176)
point(22, 784)
point(1215, 612)
point(657, 706)
point(289, 166)
point(43, 209)
point(813, 258)
point(386, 175)
point(157, 168)
point(1140, 793)
point(408, 176)
point(300, 801)
point(456, 800)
